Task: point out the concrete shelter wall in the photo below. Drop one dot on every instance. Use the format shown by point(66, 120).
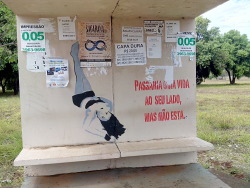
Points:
point(49, 117)
point(130, 104)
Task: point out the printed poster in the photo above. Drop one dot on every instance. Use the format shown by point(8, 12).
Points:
point(95, 44)
point(130, 54)
point(154, 46)
point(32, 37)
point(66, 28)
point(172, 27)
point(153, 26)
point(132, 34)
point(186, 44)
point(57, 73)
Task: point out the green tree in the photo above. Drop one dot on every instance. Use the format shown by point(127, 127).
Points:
point(8, 50)
point(239, 55)
point(208, 50)
point(246, 63)
point(216, 53)
point(204, 33)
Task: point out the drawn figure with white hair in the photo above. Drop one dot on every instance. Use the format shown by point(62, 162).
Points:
point(95, 107)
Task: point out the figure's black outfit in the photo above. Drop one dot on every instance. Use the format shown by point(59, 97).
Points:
point(113, 127)
point(83, 90)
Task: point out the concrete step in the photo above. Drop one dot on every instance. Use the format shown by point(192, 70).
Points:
point(66, 154)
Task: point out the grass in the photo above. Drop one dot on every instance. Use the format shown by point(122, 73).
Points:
point(10, 140)
point(223, 118)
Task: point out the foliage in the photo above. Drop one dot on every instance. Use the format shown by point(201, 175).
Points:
point(239, 55)
point(8, 49)
point(202, 29)
point(216, 52)
point(208, 50)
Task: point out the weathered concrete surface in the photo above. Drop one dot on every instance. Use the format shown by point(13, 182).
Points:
point(181, 176)
point(230, 180)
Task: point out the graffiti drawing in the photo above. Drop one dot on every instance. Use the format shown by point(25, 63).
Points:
point(95, 107)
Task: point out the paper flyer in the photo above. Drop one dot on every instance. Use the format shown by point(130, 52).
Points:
point(32, 37)
point(66, 28)
point(169, 76)
point(95, 44)
point(154, 47)
point(132, 34)
point(172, 27)
point(130, 54)
point(169, 73)
point(36, 61)
point(57, 73)
point(153, 26)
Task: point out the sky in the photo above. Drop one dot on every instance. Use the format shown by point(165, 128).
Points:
point(234, 14)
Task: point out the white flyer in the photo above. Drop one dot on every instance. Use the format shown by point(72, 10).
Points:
point(66, 28)
point(172, 27)
point(130, 54)
point(32, 37)
point(169, 75)
point(132, 34)
point(186, 44)
point(154, 47)
point(57, 74)
point(36, 61)
point(49, 24)
point(153, 26)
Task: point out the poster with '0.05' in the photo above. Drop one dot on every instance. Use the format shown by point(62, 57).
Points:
point(32, 37)
point(186, 44)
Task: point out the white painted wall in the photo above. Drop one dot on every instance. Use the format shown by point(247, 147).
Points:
point(49, 117)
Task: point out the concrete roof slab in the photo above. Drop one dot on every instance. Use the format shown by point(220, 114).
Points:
point(117, 8)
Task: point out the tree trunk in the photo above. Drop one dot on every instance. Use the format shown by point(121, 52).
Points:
point(229, 76)
point(16, 87)
point(198, 80)
point(3, 89)
point(233, 80)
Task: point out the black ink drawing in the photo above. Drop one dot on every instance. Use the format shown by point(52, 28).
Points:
point(99, 107)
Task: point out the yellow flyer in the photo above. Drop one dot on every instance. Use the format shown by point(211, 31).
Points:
point(95, 44)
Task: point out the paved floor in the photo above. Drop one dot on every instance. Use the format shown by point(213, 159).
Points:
point(230, 180)
point(181, 176)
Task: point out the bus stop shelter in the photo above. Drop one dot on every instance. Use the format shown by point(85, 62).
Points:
point(108, 84)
